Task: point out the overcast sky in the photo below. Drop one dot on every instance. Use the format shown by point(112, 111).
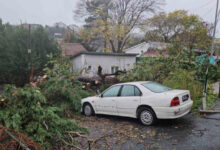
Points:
point(51, 11)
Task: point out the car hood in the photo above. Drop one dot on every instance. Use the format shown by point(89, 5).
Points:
point(89, 98)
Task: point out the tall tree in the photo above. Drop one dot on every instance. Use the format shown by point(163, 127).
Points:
point(183, 31)
point(113, 20)
point(15, 61)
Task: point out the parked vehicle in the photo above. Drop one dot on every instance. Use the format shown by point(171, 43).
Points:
point(146, 100)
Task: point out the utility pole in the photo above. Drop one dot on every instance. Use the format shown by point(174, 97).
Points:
point(29, 53)
point(212, 52)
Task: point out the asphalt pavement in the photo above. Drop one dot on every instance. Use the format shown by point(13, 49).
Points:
point(191, 132)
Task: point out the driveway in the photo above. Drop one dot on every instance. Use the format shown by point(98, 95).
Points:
point(191, 132)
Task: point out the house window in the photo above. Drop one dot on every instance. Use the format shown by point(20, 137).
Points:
point(114, 69)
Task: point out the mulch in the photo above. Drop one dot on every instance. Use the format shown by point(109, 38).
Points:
point(13, 140)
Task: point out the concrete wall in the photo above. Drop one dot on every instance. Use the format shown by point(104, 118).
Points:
point(83, 61)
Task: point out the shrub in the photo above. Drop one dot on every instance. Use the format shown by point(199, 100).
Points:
point(150, 69)
point(26, 110)
point(40, 112)
point(213, 74)
point(183, 79)
point(62, 89)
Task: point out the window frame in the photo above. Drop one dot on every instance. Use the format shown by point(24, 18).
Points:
point(109, 89)
point(134, 91)
point(114, 69)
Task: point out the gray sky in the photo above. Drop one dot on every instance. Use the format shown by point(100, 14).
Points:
point(51, 11)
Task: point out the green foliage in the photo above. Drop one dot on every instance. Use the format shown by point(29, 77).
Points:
point(183, 31)
point(211, 97)
point(61, 88)
point(15, 61)
point(213, 74)
point(28, 111)
point(152, 69)
point(183, 79)
point(40, 112)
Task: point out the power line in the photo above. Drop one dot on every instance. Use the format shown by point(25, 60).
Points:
point(208, 12)
point(204, 5)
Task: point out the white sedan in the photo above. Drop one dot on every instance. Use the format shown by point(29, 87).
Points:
point(146, 100)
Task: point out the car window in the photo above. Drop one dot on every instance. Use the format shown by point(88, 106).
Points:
point(156, 87)
point(137, 92)
point(127, 90)
point(112, 92)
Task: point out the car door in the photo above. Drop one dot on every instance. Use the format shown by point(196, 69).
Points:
point(107, 101)
point(128, 100)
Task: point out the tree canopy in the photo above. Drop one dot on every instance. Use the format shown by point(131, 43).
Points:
point(183, 31)
point(15, 61)
point(111, 21)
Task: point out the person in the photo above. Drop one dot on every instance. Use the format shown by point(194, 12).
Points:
point(99, 70)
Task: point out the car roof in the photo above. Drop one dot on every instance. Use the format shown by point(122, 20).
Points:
point(132, 83)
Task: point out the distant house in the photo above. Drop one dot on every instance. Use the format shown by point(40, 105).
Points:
point(88, 62)
point(71, 49)
point(138, 49)
point(60, 25)
point(151, 49)
point(58, 36)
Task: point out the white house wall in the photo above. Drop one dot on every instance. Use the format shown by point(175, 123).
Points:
point(83, 62)
point(78, 62)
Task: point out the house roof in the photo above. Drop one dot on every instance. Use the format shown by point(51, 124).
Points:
point(70, 49)
point(103, 54)
point(151, 45)
point(135, 46)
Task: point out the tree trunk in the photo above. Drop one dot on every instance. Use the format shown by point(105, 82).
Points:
point(112, 45)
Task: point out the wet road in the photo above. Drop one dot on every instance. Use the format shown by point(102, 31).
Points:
point(191, 132)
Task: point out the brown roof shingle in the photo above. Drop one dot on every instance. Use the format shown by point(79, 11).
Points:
point(70, 49)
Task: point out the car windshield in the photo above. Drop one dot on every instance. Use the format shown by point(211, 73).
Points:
point(156, 87)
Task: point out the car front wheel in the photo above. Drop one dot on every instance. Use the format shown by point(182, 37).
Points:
point(146, 116)
point(88, 110)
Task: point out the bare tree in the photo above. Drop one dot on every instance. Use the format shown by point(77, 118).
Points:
point(114, 20)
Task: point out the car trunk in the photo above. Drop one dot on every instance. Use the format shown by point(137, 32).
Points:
point(183, 95)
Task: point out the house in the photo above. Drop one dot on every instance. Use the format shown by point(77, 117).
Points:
point(58, 36)
point(88, 62)
point(138, 49)
point(151, 49)
point(70, 49)
point(60, 25)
